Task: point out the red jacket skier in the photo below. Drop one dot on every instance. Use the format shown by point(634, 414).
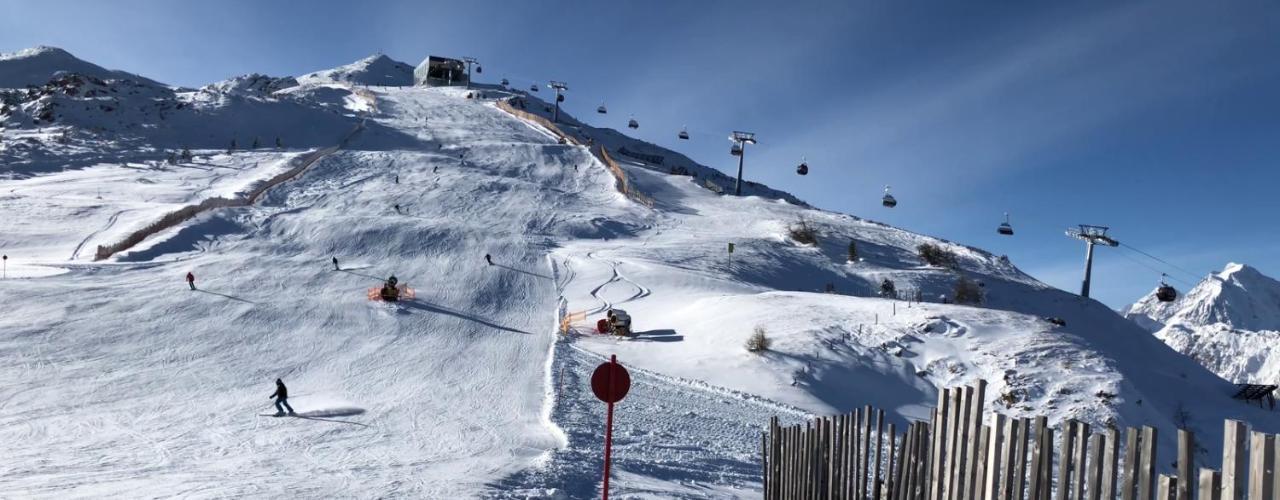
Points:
point(191, 280)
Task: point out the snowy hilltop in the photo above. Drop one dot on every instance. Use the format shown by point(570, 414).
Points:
point(516, 237)
point(1230, 322)
point(373, 70)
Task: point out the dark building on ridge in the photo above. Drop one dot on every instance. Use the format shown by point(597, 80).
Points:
point(440, 72)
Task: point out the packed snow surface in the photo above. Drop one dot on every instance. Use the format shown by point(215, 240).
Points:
point(122, 382)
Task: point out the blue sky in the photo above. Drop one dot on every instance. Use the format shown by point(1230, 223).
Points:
point(1158, 118)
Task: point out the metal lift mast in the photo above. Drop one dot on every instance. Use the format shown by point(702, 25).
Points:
point(1091, 235)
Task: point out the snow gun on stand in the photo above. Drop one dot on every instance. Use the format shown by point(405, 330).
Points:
point(391, 291)
point(615, 322)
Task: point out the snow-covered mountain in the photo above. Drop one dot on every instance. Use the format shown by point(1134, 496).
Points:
point(470, 390)
point(1230, 322)
point(36, 65)
point(377, 69)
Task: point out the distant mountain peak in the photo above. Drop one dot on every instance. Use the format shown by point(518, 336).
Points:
point(1238, 297)
point(36, 65)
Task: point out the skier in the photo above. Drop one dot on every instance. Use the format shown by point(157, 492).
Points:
point(435, 169)
point(335, 264)
point(397, 208)
point(488, 258)
point(282, 399)
point(191, 280)
point(397, 178)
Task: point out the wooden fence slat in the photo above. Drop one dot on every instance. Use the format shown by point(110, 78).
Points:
point(1186, 464)
point(1018, 481)
point(1035, 478)
point(1262, 464)
point(1046, 471)
point(993, 478)
point(1210, 485)
point(1129, 482)
point(1079, 462)
point(1110, 459)
point(1066, 452)
point(851, 425)
point(971, 478)
point(1093, 489)
point(879, 444)
point(890, 462)
point(1147, 464)
point(983, 446)
point(1235, 474)
point(954, 432)
point(937, 456)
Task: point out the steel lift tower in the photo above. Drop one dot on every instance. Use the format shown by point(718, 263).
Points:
point(740, 141)
point(1092, 235)
point(470, 61)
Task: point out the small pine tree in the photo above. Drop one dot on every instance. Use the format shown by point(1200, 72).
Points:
point(853, 251)
point(279, 145)
point(232, 148)
point(758, 342)
point(172, 159)
point(967, 291)
point(255, 144)
point(888, 289)
point(186, 154)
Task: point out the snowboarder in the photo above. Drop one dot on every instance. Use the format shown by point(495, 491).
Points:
point(282, 399)
point(397, 208)
point(335, 264)
point(191, 280)
point(488, 258)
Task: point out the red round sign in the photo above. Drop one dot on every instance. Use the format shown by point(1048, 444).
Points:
point(610, 382)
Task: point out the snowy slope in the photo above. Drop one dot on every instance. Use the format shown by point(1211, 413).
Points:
point(373, 70)
point(36, 65)
point(468, 390)
point(1229, 322)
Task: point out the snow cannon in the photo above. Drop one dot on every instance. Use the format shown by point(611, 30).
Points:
point(391, 291)
point(616, 322)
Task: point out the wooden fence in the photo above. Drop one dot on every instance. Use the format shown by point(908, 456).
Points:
point(623, 181)
point(958, 456)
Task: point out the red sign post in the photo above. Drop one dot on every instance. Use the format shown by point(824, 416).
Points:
point(610, 382)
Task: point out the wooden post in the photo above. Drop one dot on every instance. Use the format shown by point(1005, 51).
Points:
point(1210, 485)
point(1235, 474)
point(1018, 480)
point(900, 475)
point(1129, 481)
point(1037, 460)
point(1110, 456)
point(1066, 454)
point(1262, 464)
point(892, 456)
point(995, 471)
point(1046, 466)
point(979, 490)
point(1186, 464)
point(875, 469)
point(971, 476)
point(1147, 464)
point(851, 430)
point(959, 407)
point(1078, 463)
point(936, 451)
point(864, 441)
point(1094, 476)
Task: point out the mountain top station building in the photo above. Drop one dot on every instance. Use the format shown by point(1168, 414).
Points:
point(440, 72)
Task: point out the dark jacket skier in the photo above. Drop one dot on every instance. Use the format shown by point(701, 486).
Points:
point(282, 399)
point(191, 280)
point(488, 259)
point(335, 264)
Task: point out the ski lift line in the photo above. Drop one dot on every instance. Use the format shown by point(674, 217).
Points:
point(1153, 268)
point(1165, 262)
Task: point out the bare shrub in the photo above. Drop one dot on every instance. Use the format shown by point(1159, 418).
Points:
point(758, 342)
